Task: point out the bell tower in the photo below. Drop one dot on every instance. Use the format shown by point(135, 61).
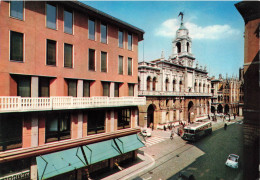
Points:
point(181, 46)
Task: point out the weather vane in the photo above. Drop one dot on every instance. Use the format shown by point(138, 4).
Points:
point(181, 14)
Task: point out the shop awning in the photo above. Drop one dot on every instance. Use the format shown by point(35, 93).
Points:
point(60, 162)
point(100, 151)
point(129, 143)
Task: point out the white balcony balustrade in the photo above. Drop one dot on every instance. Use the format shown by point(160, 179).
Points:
point(16, 103)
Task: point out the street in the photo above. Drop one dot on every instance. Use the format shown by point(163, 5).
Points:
point(204, 159)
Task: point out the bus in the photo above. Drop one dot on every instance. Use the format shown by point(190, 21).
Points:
point(195, 131)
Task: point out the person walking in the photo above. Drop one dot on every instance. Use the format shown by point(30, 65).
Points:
point(172, 133)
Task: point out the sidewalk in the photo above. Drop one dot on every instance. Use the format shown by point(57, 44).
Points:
point(145, 161)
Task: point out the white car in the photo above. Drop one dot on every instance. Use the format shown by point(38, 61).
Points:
point(232, 161)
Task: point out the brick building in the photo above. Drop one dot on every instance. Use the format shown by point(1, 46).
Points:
point(249, 11)
point(68, 93)
point(175, 88)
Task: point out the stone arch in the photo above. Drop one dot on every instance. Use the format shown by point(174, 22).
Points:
point(213, 109)
point(191, 114)
point(166, 84)
point(173, 85)
point(220, 108)
point(150, 114)
point(180, 85)
point(154, 84)
point(139, 83)
point(226, 109)
point(188, 46)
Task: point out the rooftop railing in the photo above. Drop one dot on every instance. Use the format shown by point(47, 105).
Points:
point(21, 104)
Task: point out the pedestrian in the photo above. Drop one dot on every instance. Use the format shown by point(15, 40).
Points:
point(171, 137)
point(164, 128)
point(225, 126)
point(234, 115)
point(208, 116)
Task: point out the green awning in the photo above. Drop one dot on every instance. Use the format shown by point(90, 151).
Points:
point(60, 162)
point(129, 143)
point(100, 151)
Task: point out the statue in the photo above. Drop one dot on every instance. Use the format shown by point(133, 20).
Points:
point(181, 14)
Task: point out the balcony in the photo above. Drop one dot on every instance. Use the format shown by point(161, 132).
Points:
point(171, 93)
point(19, 104)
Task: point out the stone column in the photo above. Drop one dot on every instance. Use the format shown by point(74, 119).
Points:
point(34, 131)
point(80, 125)
point(80, 88)
point(34, 86)
point(136, 90)
point(112, 89)
point(33, 169)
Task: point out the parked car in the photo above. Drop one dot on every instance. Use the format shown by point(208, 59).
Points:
point(232, 161)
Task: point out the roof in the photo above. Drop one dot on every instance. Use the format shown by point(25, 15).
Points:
point(249, 10)
point(182, 27)
point(104, 16)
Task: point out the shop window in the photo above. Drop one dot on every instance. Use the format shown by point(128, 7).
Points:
point(24, 86)
point(103, 33)
point(17, 169)
point(51, 52)
point(103, 62)
point(44, 87)
point(51, 16)
point(86, 89)
point(96, 122)
point(16, 46)
point(68, 55)
point(120, 64)
point(11, 126)
point(91, 59)
point(124, 118)
point(91, 29)
point(131, 89)
point(130, 41)
point(68, 21)
point(116, 90)
point(129, 66)
point(16, 9)
point(57, 126)
point(120, 38)
point(106, 87)
point(72, 87)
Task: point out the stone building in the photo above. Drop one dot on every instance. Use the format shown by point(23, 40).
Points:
point(249, 11)
point(175, 88)
point(227, 95)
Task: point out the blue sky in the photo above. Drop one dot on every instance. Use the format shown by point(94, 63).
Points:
point(216, 29)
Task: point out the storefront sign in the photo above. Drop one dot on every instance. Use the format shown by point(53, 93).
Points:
point(16, 176)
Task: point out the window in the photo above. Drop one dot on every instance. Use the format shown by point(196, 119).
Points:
point(129, 66)
point(57, 126)
point(51, 52)
point(68, 48)
point(124, 118)
point(116, 90)
point(91, 59)
point(106, 86)
point(44, 87)
point(131, 89)
point(103, 33)
point(16, 9)
point(96, 122)
point(11, 126)
point(68, 22)
point(51, 16)
point(120, 38)
point(91, 29)
point(86, 89)
point(16, 46)
point(72, 87)
point(120, 64)
point(24, 86)
point(103, 62)
point(130, 43)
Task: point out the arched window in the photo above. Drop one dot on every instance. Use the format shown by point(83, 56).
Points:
point(139, 84)
point(195, 86)
point(148, 83)
point(166, 84)
point(199, 87)
point(204, 88)
point(188, 47)
point(180, 85)
point(154, 83)
point(178, 44)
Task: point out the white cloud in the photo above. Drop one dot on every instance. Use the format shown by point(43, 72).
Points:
point(170, 26)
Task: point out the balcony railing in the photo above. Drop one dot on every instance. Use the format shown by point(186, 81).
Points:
point(16, 103)
point(171, 93)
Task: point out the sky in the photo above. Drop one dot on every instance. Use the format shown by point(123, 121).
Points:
point(216, 29)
